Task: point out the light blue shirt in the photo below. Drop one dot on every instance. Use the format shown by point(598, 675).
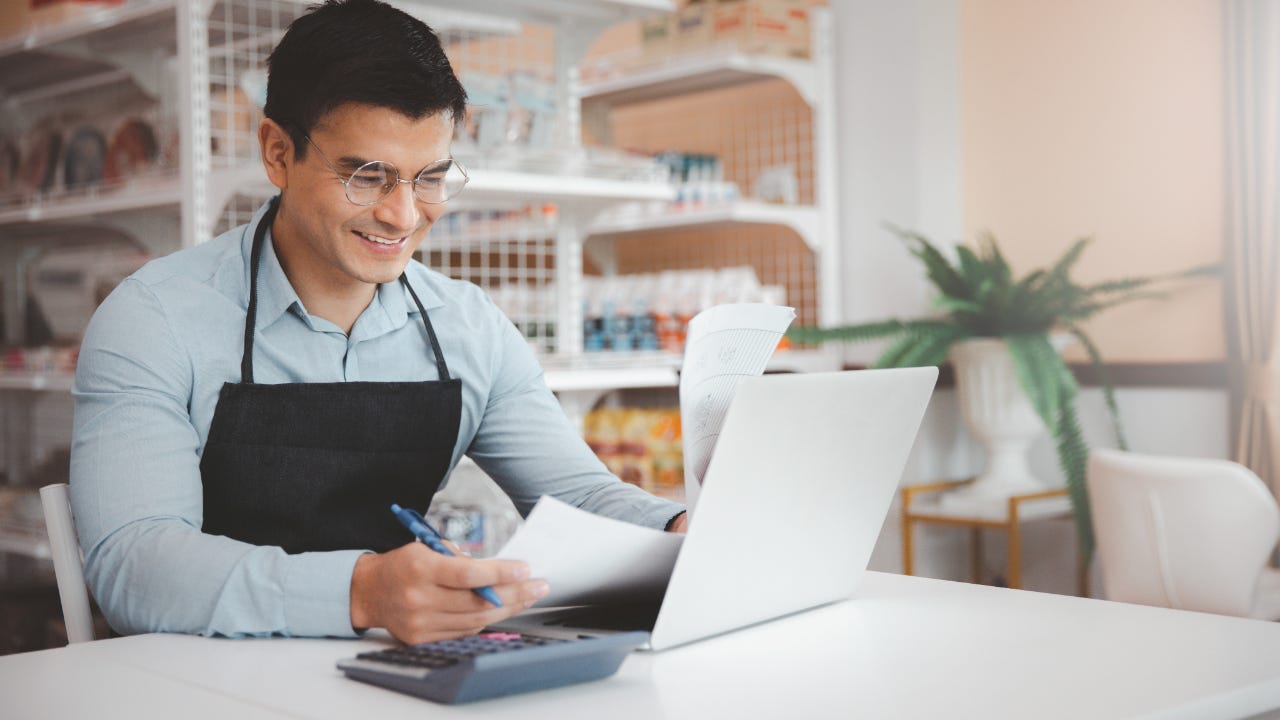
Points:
point(153, 361)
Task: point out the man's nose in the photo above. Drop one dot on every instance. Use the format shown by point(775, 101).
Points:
point(399, 209)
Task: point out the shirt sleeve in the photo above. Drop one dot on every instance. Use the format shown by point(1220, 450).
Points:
point(527, 445)
point(138, 502)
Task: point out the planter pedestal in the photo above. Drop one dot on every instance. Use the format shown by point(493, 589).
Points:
point(1000, 416)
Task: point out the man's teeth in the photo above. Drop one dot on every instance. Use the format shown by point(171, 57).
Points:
point(379, 240)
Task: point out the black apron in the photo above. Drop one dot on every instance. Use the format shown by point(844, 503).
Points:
point(316, 466)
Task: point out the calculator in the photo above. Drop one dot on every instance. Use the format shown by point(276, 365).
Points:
point(491, 664)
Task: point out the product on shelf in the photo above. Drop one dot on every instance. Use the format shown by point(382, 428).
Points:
point(693, 24)
point(233, 122)
point(478, 529)
point(524, 223)
point(69, 282)
point(641, 446)
point(83, 162)
point(699, 179)
point(10, 162)
point(651, 311)
point(486, 121)
point(23, 16)
point(773, 27)
point(777, 184)
point(516, 108)
point(657, 39)
point(531, 113)
point(41, 359)
point(41, 148)
point(133, 150)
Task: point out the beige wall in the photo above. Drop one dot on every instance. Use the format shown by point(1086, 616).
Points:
point(1102, 118)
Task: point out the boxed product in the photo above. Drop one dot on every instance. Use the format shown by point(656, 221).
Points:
point(657, 35)
point(15, 19)
point(53, 12)
point(774, 27)
point(693, 26)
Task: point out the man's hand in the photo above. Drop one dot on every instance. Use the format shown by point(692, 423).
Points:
point(419, 595)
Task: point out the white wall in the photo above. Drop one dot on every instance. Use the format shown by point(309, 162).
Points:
point(898, 115)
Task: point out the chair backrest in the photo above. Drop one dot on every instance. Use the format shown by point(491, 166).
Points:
point(1185, 533)
point(68, 565)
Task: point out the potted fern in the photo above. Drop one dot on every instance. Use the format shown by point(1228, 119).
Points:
point(1014, 328)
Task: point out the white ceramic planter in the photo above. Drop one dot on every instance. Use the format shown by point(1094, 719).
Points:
point(999, 414)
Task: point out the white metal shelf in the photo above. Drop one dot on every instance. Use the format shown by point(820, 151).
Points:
point(561, 381)
point(694, 73)
point(24, 539)
point(600, 13)
point(138, 194)
point(493, 188)
point(804, 220)
point(488, 187)
point(38, 381)
point(475, 237)
point(109, 27)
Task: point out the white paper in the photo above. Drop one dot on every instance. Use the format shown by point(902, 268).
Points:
point(589, 559)
point(724, 344)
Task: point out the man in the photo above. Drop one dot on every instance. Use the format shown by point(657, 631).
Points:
point(247, 410)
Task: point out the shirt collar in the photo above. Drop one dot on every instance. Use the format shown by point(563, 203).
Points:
point(276, 294)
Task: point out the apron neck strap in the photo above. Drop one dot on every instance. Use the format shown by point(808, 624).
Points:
point(251, 315)
point(441, 367)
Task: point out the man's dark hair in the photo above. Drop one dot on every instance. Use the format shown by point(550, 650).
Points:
point(358, 51)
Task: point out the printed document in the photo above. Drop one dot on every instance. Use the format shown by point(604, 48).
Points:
point(589, 559)
point(724, 344)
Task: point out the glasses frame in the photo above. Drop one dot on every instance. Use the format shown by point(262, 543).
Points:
point(390, 188)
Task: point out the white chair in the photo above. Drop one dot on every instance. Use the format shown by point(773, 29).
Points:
point(1185, 533)
point(68, 565)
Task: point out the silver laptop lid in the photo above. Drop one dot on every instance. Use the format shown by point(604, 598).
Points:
point(803, 474)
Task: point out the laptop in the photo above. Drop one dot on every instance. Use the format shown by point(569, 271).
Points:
point(803, 474)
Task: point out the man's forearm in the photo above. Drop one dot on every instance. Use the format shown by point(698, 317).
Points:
point(162, 575)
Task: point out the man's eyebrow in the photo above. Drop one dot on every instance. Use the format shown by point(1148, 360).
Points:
point(351, 162)
point(438, 166)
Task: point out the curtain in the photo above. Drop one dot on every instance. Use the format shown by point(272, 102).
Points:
point(1252, 47)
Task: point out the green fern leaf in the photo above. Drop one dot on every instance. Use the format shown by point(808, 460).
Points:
point(1063, 267)
point(1073, 458)
point(931, 348)
point(848, 333)
point(892, 356)
point(1033, 362)
point(939, 270)
point(1108, 390)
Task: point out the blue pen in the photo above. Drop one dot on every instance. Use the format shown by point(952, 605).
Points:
point(422, 530)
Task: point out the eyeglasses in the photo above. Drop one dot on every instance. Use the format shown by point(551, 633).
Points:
point(439, 182)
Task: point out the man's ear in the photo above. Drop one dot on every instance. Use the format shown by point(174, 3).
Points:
point(277, 152)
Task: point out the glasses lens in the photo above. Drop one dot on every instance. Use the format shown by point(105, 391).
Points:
point(371, 182)
point(440, 182)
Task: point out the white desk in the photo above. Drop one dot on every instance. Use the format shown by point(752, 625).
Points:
point(904, 648)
